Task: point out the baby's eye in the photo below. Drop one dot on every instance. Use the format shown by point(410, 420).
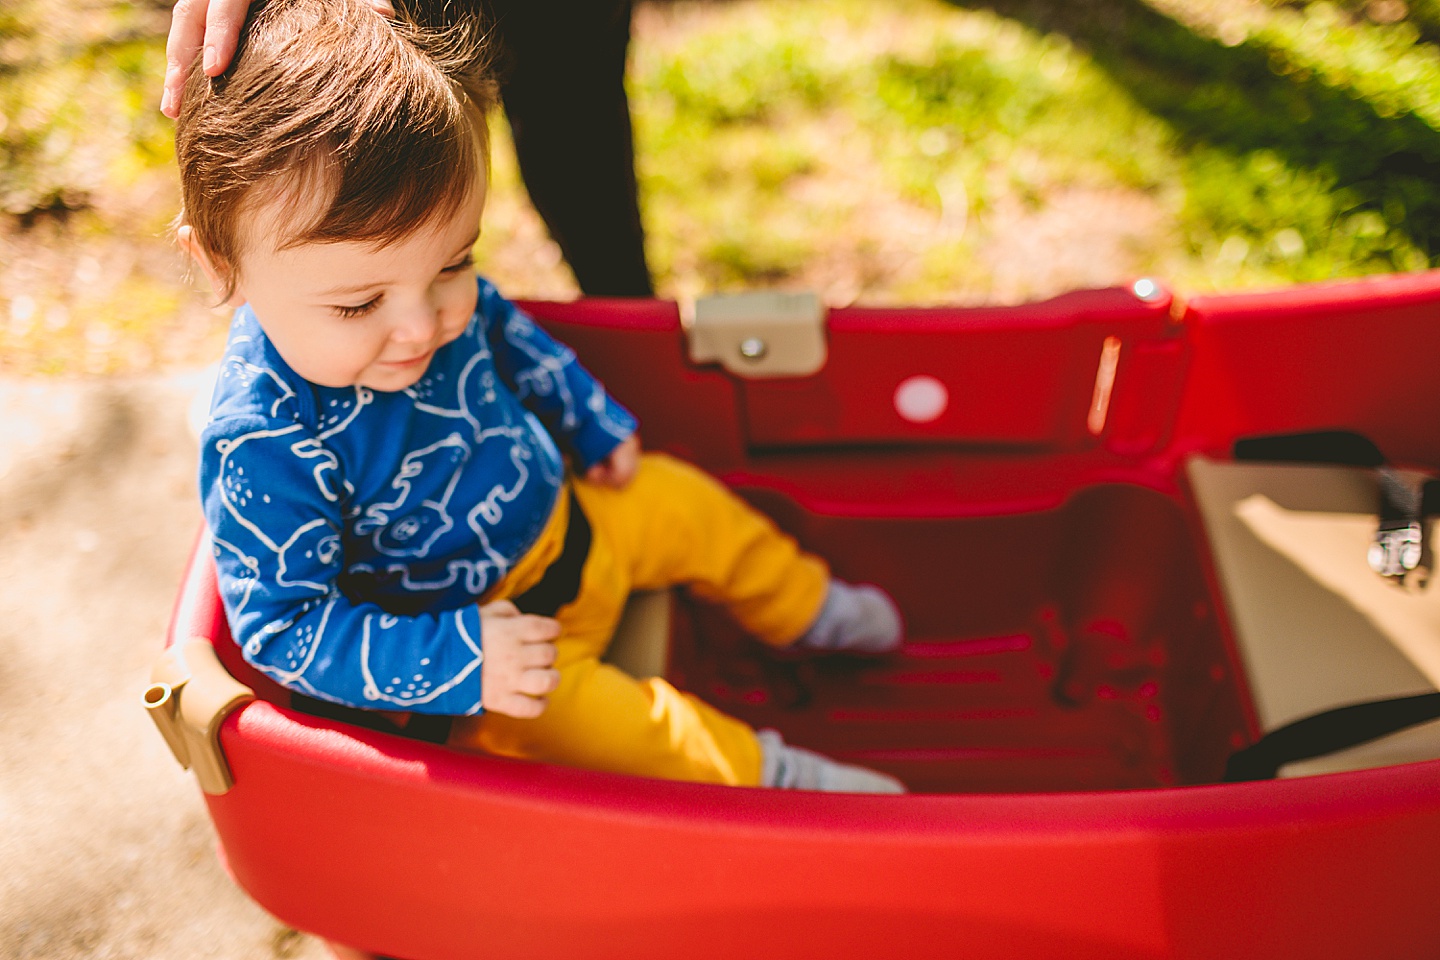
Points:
point(359, 310)
point(466, 261)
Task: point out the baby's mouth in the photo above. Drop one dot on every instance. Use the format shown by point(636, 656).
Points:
point(411, 361)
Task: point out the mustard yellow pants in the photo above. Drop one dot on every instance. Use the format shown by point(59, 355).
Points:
point(673, 525)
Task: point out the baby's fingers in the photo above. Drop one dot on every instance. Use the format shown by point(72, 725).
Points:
point(536, 629)
point(535, 655)
point(517, 705)
point(538, 682)
point(524, 696)
point(499, 608)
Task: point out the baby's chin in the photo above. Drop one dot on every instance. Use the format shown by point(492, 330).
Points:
point(393, 378)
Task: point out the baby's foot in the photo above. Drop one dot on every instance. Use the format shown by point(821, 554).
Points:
point(795, 768)
point(857, 619)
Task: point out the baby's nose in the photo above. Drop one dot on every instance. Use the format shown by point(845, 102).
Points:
point(417, 324)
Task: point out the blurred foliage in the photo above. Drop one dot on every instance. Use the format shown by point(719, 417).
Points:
point(768, 156)
point(1421, 16)
point(88, 281)
point(77, 96)
point(890, 152)
point(1293, 118)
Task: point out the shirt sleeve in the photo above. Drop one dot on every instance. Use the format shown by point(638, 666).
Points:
point(551, 383)
point(278, 558)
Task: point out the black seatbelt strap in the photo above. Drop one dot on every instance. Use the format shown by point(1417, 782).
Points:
point(1329, 732)
point(560, 583)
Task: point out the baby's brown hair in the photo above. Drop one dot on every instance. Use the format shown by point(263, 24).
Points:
point(327, 96)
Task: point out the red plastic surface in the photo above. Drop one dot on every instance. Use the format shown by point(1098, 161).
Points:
point(1063, 649)
point(1065, 636)
point(1014, 379)
point(409, 850)
point(1357, 355)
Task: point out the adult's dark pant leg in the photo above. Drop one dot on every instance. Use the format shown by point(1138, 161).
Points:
point(562, 79)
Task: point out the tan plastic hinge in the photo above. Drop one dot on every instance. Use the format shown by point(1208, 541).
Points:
point(765, 334)
point(189, 696)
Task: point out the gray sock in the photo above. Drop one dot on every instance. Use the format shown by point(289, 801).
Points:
point(795, 768)
point(856, 618)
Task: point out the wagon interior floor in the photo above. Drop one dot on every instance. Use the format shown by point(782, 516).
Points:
point(947, 714)
point(1073, 649)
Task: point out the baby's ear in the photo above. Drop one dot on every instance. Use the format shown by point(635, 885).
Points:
point(222, 280)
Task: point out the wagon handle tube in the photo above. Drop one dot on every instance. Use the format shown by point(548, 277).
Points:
point(160, 702)
point(189, 696)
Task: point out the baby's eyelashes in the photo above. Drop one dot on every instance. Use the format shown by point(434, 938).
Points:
point(466, 261)
point(359, 310)
point(351, 311)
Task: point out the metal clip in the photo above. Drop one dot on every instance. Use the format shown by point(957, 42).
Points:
point(1398, 551)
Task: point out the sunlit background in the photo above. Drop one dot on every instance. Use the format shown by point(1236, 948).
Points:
point(876, 151)
point(910, 151)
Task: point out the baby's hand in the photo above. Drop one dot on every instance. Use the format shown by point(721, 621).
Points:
point(519, 659)
point(618, 469)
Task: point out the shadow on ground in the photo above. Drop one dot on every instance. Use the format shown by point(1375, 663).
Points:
point(105, 849)
point(1235, 98)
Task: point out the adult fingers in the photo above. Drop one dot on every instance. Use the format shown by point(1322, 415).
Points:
point(223, 20)
point(213, 24)
point(187, 31)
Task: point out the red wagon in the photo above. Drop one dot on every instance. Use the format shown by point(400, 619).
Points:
point(1104, 605)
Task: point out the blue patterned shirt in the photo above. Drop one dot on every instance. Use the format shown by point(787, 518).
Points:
point(355, 529)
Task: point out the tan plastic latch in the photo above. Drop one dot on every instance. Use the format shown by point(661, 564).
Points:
point(763, 334)
point(189, 696)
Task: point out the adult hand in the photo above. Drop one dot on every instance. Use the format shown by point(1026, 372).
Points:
point(215, 26)
point(618, 469)
point(519, 660)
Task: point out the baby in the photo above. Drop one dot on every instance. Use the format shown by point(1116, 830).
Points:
point(384, 471)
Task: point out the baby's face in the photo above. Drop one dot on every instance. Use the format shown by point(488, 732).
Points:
point(357, 314)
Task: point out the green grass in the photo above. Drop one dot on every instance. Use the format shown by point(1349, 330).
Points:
point(915, 151)
point(1294, 117)
point(766, 153)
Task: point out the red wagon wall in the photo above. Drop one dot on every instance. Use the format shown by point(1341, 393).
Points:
point(1067, 637)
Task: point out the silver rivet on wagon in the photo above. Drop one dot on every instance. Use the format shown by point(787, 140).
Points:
point(752, 348)
point(1147, 290)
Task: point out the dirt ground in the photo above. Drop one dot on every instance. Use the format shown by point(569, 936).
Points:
point(105, 849)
